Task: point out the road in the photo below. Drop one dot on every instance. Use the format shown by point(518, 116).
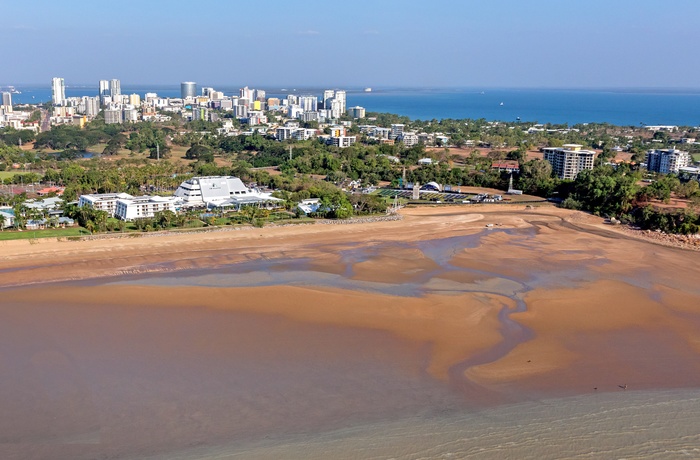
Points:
point(45, 120)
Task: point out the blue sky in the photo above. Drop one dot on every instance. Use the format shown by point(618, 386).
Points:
point(379, 43)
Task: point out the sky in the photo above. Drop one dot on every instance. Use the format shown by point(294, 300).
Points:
point(359, 43)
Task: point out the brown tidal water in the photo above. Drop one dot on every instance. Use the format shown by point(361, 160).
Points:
point(145, 381)
point(129, 382)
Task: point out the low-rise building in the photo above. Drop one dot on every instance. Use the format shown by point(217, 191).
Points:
point(145, 206)
point(343, 141)
point(103, 201)
point(7, 219)
point(409, 139)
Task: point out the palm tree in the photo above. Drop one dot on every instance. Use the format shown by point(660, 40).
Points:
point(90, 226)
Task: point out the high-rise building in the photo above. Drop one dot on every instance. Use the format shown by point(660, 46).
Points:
point(58, 91)
point(667, 161)
point(327, 96)
point(115, 89)
point(7, 101)
point(91, 106)
point(569, 160)
point(247, 93)
point(104, 89)
point(188, 89)
point(340, 97)
point(135, 100)
point(308, 103)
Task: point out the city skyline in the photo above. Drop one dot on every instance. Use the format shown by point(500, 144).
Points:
point(541, 44)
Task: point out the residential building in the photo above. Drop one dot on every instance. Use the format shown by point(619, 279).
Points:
point(104, 90)
point(200, 113)
point(337, 131)
point(145, 206)
point(397, 130)
point(113, 115)
point(357, 112)
point(103, 201)
point(246, 93)
point(328, 95)
point(284, 133)
point(135, 100)
point(569, 160)
point(115, 89)
point(130, 114)
point(91, 106)
point(343, 141)
point(667, 161)
point(58, 91)
point(688, 173)
point(409, 139)
point(340, 97)
point(273, 103)
point(7, 219)
point(188, 89)
point(308, 103)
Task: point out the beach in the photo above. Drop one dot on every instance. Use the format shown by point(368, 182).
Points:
point(317, 339)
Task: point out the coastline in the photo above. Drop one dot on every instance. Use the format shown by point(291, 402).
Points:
point(448, 309)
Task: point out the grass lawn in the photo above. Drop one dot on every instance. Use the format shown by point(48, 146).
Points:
point(36, 234)
point(696, 156)
point(5, 174)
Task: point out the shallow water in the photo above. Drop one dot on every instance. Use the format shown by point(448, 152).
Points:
point(626, 424)
point(130, 381)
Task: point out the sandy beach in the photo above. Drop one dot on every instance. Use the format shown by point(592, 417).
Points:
point(211, 338)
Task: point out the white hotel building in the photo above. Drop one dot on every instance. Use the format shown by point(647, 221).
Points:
point(221, 192)
point(145, 206)
point(103, 201)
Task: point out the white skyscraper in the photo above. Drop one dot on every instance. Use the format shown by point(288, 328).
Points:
point(340, 97)
point(327, 96)
point(115, 88)
point(247, 93)
point(104, 90)
point(58, 91)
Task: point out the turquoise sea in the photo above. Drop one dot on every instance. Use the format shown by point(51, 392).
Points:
point(559, 106)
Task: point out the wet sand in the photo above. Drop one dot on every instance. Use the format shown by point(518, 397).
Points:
point(151, 346)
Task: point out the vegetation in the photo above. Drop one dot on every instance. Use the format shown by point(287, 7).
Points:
point(317, 170)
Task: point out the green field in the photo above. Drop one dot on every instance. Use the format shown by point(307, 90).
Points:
point(5, 174)
point(36, 234)
point(696, 156)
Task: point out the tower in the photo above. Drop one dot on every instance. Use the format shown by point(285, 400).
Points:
point(115, 88)
point(58, 91)
point(7, 101)
point(188, 89)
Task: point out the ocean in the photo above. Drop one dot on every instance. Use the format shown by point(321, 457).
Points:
point(559, 106)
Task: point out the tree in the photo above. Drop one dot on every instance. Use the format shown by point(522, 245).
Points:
point(199, 151)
